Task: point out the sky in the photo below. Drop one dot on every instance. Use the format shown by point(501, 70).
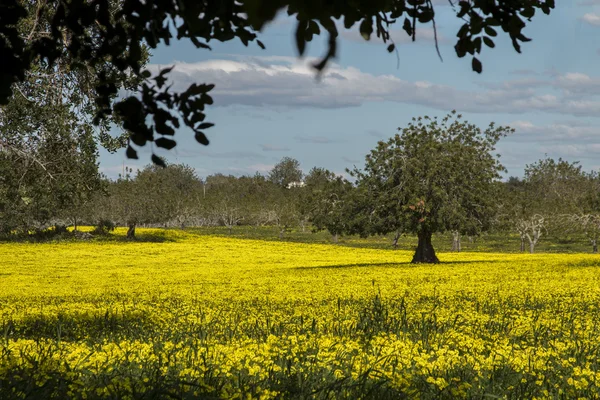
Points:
point(269, 104)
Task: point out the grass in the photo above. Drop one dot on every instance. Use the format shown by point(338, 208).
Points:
point(495, 242)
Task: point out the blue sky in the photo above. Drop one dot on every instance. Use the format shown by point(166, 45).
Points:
point(268, 104)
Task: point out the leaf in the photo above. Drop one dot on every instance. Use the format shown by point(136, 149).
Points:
point(313, 27)
point(528, 12)
point(158, 161)
point(201, 138)
point(205, 125)
point(146, 74)
point(199, 44)
point(165, 143)
point(131, 153)
point(407, 27)
point(489, 42)
point(366, 28)
point(391, 48)
point(260, 44)
point(300, 42)
point(490, 31)
point(476, 64)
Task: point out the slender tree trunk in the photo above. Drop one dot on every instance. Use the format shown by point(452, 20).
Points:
point(522, 244)
point(594, 246)
point(335, 238)
point(281, 233)
point(396, 238)
point(131, 230)
point(531, 247)
point(456, 241)
point(74, 224)
point(230, 228)
point(425, 252)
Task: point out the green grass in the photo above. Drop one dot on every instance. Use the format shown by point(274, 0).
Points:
point(496, 242)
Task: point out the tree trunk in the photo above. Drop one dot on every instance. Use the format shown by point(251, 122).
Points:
point(522, 244)
point(456, 241)
point(281, 232)
point(531, 247)
point(334, 237)
point(594, 246)
point(396, 238)
point(425, 252)
point(74, 224)
point(131, 231)
point(230, 228)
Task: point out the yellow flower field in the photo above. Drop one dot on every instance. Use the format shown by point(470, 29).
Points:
point(211, 317)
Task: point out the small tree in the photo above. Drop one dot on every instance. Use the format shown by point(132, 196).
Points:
point(552, 192)
point(327, 201)
point(286, 172)
point(227, 199)
point(434, 176)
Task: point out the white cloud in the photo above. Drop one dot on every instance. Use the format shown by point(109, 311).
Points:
point(286, 82)
point(592, 19)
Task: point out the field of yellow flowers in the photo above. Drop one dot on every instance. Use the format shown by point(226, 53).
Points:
point(197, 316)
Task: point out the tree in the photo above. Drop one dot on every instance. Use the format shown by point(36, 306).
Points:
point(552, 194)
point(434, 176)
point(226, 199)
point(45, 124)
point(327, 201)
point(587, 219)
point(286, 172)
point(95, 36)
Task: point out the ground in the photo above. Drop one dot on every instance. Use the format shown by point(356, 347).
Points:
point(182, 314)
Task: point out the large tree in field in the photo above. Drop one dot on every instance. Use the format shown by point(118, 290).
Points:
point(434, 176)
point(85, 35)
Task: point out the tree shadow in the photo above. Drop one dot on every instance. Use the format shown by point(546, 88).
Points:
point(394, 264)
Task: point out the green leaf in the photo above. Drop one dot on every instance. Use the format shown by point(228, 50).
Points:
point(366, 28)
point(201, 138)
point(490, 31)
point(205, 125)
point(476, 64)
point(300, 41)
point(131, 153)
point(158, 161)
point(165, 143)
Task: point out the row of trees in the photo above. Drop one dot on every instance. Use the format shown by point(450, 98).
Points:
point(433, 176)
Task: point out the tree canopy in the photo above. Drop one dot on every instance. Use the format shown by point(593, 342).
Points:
point(108, 38)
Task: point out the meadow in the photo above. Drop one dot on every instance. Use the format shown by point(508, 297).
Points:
point(183, 314)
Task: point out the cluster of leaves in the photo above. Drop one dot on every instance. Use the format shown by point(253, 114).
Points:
point(106, 37)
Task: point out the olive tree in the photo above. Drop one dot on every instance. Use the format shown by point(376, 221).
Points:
point(434, 176)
